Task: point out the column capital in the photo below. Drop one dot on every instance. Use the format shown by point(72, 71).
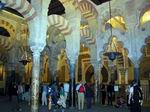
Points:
point(37, 49)
point(136, 62)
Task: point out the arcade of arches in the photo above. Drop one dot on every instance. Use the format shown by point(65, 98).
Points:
point(69, 39)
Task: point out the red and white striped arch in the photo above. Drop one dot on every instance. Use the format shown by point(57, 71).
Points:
point(60, 23)
point(23, 7)
point(87, 9)
point(85, 32)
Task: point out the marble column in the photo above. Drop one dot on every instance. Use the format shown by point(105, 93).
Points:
point(72, 50)
point(136, 69)
point(72, 85)
point(136, 72)
point(96, 80)
point(35, 81)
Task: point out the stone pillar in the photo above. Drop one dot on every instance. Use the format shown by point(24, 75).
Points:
point(72, 51)
point(35, 81)
point(136, 72)
point(96, 80)
point(72, 85)
point(136, 68)
point(37, 42)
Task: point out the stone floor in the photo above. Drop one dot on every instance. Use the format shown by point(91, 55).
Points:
point(11, 106)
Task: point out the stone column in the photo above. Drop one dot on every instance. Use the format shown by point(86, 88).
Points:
point(136, 68)
point(35, 80)
point(72, 84)
point(72, 51)
point(96, 80)
point(136, 71)
point(37, 42)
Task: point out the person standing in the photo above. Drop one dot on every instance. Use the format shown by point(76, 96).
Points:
point(66, 90)
point(135, 96)
point(80, 89)
point(20, 92)
point(109, 93)
point(89, 94)
point(103, 93)
point(44, 95)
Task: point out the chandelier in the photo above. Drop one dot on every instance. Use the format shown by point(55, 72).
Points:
point(24, 58)
point(111, 50)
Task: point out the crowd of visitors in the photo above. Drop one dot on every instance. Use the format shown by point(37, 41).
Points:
point(57, 95)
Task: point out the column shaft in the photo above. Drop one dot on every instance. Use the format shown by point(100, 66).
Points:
point(35, 82)
point(72, 85)
point(136, 73)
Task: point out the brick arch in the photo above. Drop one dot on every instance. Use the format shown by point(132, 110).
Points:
point(9, 27)
point(23, 7)
point(88, 36)
point(60, 23)
point(87, 9)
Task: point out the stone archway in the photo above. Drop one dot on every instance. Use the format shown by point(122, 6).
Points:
point(104, 75)
point(89, 73)
point(23, 7)
point(60, 23)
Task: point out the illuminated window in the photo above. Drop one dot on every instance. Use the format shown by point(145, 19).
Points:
point(145, 18)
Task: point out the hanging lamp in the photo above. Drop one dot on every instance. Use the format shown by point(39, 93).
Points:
point(110, 52)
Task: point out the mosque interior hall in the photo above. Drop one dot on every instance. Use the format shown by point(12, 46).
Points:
point(89, 41)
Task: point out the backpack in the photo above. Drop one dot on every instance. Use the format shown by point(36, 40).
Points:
point(81, 89)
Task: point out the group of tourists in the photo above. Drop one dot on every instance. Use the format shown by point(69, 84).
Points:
point(132, 96)
point(58, 95)
point(54, 94)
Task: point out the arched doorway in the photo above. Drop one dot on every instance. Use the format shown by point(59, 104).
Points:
point(105, 76)
point(89, 74)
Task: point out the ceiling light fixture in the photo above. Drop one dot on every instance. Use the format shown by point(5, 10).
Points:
point(111, 50)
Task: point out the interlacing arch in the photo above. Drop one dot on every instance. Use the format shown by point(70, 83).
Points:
point(60, 23)
point(23, 7)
